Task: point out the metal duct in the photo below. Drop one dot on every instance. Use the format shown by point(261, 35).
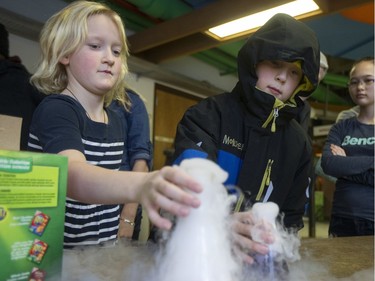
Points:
point(162, 9)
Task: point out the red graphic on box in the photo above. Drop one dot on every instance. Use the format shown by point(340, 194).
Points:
point(37, 251)
point(39, 223)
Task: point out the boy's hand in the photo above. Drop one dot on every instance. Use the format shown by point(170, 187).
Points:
point(245, 246)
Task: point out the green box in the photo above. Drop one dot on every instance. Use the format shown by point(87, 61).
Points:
point(32, 208)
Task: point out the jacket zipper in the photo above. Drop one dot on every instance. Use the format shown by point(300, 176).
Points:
point(266, 179)
point(273, 115)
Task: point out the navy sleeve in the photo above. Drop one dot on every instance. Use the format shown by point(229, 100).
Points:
point(56, 125)
point(137, 132)
point(341, 166)
point(366, 178)
point(139, 144)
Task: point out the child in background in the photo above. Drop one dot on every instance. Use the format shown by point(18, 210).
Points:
point(252, 133)
point(348, 155)
point(137, 157)
point(83, 66)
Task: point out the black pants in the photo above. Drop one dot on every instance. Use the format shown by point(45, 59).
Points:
point(341, 227)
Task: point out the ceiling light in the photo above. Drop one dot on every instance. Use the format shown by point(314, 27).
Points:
point(298, 9)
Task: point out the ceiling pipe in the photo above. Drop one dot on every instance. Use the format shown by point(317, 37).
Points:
point(163, 9)
point(133, 21)
point(219, 59)
point(222, 69)
point(325, 95)
point(336, 80)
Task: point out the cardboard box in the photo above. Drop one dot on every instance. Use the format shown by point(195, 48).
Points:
point(10, 132)
point(32, 208)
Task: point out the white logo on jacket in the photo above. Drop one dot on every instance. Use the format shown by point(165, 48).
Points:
point(233, 142)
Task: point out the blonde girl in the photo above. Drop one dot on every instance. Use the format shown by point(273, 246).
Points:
point(82, 70)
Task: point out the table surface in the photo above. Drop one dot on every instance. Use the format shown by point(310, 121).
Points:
point(343, 256)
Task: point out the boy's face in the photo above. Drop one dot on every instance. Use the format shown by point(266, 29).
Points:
point(278, 78)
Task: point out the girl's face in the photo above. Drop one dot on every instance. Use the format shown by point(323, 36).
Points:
point(96, 65)
point(278, 78)
point(361, 84)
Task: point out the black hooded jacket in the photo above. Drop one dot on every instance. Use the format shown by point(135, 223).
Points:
point(251, 134)
point(18, 97)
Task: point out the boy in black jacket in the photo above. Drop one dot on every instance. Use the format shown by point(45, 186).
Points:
point(251, 132)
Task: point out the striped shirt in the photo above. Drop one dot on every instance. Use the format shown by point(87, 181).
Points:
point(61, 123)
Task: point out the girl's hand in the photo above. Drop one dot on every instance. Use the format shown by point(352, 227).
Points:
point(170, 189)
point(337, 150)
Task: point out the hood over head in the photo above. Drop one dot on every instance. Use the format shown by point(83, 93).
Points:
point(281, 38)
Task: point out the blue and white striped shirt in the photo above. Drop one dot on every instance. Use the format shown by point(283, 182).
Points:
point(61, 123)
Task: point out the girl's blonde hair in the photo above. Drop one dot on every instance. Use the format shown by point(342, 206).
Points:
point(62, 35)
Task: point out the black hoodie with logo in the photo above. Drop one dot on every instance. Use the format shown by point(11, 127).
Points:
point(251, 134)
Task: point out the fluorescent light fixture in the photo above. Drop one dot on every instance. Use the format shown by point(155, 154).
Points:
point(241, 26)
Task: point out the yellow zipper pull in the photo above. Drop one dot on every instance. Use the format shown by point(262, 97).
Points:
point(265, 180)
point(269, 168)
point(275, 115)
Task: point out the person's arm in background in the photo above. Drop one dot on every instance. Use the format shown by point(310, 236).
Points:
point(345, 114)
point(139, 144)
point(339, 165)
point(366, 178)
point(139, 152)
